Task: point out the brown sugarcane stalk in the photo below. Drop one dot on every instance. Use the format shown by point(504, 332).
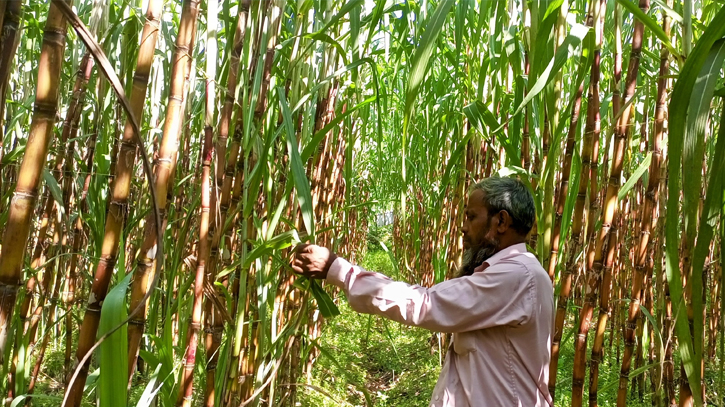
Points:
point(32, 319)
point(149, 37)
point(187, 381)
point(77, 240)
point(71, 128)
point(600, 272)
point(31, 168)
point(39, 256)
point(214, 323)
point(117, 212)
point(610, 214)
point(591, 130)
point(62, 166)
point(649, 219)
point(9, 26)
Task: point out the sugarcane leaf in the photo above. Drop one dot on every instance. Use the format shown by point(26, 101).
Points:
point(634, 373)
point(112, 382)
point(329, 40)
point(694, 144)
point(311, 147)
point(641, 169)
point(453, 162)
point(319, 85)
point(708, 221)
point(650, 23)
point(656, 329)
point(675, 16)
point(302, 185)
point(55, 190)
point(485, 122)
point(699, 111)
point(566, 50)
point(327, 308)
point(336, 18)
point(13, 155)
point(681, 95)
point(150, 391)
point(24, 398)
point(421, 57)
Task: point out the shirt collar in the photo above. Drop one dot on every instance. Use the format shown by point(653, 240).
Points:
point(512, 250)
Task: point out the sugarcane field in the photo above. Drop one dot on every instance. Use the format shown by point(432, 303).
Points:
point(374, 203)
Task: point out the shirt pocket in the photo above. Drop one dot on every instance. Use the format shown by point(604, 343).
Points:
point(464, 343)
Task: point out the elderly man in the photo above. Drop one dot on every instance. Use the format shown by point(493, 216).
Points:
point(499, 309)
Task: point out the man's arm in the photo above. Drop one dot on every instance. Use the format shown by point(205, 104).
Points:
point(502, 295)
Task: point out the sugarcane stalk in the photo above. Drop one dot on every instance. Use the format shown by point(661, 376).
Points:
point(591, 130)
point(26, 190)
point(600, 272)
point(115, 219)
point(149, 37)
point(610, 214)
point(649, 218)
point(11, 13)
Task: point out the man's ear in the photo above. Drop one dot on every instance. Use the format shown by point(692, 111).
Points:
point(504, 221)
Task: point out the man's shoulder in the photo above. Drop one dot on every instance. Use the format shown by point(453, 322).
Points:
point(529, 264)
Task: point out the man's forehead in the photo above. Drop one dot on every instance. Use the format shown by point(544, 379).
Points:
point(475, 199)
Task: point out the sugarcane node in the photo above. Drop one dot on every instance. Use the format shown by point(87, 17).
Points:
point(54, 36)
point(143, 264)
point(138, 321)
point(108, 261)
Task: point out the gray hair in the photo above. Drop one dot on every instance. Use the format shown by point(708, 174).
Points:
point(511, 195)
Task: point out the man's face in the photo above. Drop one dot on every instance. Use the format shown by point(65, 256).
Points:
point(479, 233)
point(477, 228)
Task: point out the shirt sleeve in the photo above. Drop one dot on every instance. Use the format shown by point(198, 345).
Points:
point(503, 294)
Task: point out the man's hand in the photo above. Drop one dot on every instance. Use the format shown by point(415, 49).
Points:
point(312, 261)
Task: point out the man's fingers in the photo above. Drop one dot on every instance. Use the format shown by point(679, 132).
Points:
point(301, 248)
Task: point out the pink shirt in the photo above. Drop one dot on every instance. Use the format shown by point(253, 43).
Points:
point(501, 318)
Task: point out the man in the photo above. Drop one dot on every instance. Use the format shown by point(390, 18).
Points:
point(500, 308)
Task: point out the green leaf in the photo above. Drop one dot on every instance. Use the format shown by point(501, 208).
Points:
point(24, 398)
point(567, 49)
point(55, 190)
point(641, 169)
point(423, 52)
point(681, 96)
point(675, 16)
point(485, 122)
point(302, 185)
point(328, 309)
point(311, 147)
point(149, 393)
point(113, 363)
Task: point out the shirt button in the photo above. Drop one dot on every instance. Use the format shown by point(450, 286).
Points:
point(437, 397)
